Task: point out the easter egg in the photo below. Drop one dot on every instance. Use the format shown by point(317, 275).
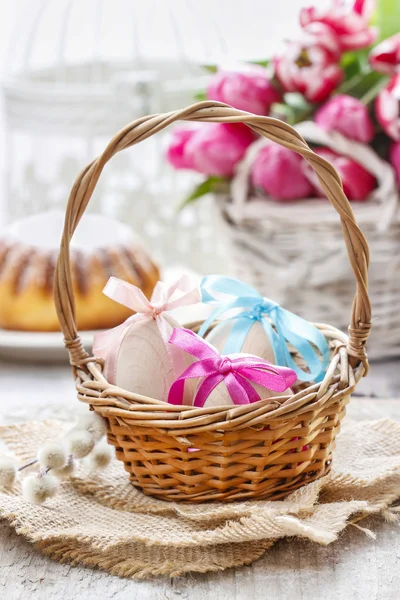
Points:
point(143, 364)
point(236, 378)
point(256, 342)
point(221, 397)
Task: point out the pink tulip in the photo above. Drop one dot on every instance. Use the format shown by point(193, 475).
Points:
point(349, 24)
point(309, 64)
point(394, 157)
point(216, 148)
point(385, 57)
point(387, 108)
point(347, 115)
point(357, 182)
point(176, 154)
point(278, 172)
point(249, 90)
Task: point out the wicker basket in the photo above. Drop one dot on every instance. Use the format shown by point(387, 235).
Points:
point(294, 252)
point(260, 450)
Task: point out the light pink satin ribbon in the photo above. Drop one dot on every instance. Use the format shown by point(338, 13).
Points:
point(236, 370)
point(106, 343)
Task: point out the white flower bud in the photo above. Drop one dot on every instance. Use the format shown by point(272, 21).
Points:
point(8, 471)
point(80, 442)
point(65, 471)
point(93, 423)
point(101, 456)
point(37, 489)
point(53, 455)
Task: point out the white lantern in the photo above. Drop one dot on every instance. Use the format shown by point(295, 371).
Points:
point(77, 72)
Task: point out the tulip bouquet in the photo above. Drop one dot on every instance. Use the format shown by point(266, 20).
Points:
point(331, 75)
point(338, 83)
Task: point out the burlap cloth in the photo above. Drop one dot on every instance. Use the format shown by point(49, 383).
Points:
point(103, 521)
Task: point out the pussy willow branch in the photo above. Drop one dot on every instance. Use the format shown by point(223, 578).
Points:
point(33, 461)
point(44, 471)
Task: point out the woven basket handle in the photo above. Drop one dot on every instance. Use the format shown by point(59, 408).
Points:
point(275, 130)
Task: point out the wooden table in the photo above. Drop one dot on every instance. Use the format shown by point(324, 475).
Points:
point(355, 567)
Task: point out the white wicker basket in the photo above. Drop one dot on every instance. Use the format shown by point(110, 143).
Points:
point(277, 247)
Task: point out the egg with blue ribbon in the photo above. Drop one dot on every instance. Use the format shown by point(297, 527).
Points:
point(256, 342)
point(241, 308)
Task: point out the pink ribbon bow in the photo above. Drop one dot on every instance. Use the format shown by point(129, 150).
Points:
point(234, 369)
point(106, 343)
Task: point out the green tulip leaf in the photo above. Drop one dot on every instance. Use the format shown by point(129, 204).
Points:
point(200, 96)
point(365, 87)
point(300, 108)
point(262, 63)
point(351, 65)
point(214, 184)
point(210, 68)
point(387, 18)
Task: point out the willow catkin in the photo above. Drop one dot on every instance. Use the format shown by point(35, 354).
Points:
point(94, 424)
point(80, 442)
point(53, 455)
point(8, 471)
point(101, 456)
point(37, 489)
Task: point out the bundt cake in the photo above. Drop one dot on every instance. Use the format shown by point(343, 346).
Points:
point(101, 247)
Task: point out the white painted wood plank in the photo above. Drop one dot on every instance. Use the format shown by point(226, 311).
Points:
point(353, 568)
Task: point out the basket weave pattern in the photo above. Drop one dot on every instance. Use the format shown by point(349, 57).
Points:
point(260, 450)
point(268, 462)
point(304, 240)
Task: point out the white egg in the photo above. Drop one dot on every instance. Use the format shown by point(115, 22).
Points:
point(220, 395)
point(143, 363)
point(256, 342)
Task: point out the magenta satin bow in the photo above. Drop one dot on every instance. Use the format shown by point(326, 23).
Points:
point(234, 369)
point(106, 343)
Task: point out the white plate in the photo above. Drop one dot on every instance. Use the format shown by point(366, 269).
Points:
point(37, 346)
point(49, 347)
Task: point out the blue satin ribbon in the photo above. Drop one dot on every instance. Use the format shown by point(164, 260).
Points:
point(280, 325)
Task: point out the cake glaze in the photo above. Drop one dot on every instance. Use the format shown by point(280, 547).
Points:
point(101, 247)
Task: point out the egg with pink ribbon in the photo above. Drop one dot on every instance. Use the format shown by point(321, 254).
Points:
point(232, 379)
point(136, 354)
